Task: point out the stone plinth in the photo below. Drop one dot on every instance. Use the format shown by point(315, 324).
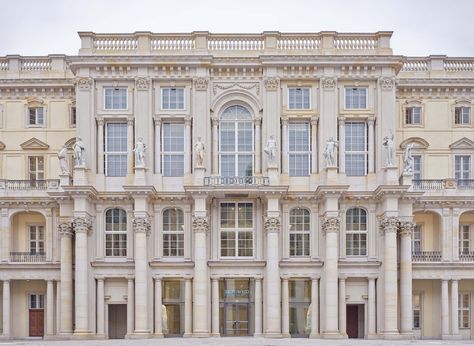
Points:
point(199, 173)
point(273, 175)
point(80, 175)
point(140, 176)
point(64, 180)
point(390, 175)
point(330, 175)
point(407, 179)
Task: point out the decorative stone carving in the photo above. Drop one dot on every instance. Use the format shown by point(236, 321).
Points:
point(331, 225)
point(141, 225)
point(65, 229)
point(272, 224)
point(82, 225)
point(389, 224)
point(139, 151)
point(84, 83)
point(330, 152)
point(271, 83)
point(271, 149)
point(328, 83)
point(62, 157)
point(199, 150)
point(408, 160)
point(407, 228)
point(389, 145)
point(201, 83)
point(242, 85)
point(142, 83)
point(386, 83)
point(200, 224)
point(79, 152)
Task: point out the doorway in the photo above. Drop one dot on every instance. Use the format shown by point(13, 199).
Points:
point(36, 315)
point(117, 321)
point(236, 317)
point(355, 321)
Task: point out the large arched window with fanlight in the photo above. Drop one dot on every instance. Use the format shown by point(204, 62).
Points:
point(236, 142)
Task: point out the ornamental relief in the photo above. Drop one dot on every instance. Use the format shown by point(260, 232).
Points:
point(82, 225)
point(201, 83)
point(272, 224)
point(200, 224)
point(330, 225)
point(142, 83)
point(141, 225)
point(249, 86)
point(389, 224)
point(271, 83)
point(65, 229)
point(407, 228)
point(84, 83)
point(386, 83)
point(328, 83)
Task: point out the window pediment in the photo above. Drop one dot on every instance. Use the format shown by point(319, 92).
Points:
point(34, 102)
point(419, 142)
point(463, 143)
point(34, 144)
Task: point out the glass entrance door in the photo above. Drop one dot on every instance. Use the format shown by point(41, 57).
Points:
point(236, 319)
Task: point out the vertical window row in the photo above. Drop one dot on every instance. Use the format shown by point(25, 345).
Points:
point(356, 232)
point(173, 233)
point(236, 229)
point(173, 149)
point(299, 232)
point(116, 149)
point(299, 149)
point(115, 232)
point(356, 148)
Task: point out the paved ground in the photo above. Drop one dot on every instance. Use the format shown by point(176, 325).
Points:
point(238, 342)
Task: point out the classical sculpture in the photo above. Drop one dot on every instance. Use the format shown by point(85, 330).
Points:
point(164, 319)
point(79, 152)
point(139, 151)
point(307, 327)
point(330, 152)
point(199, 149)
point(271, 150)
point(62, 156)
point(408, 161)
point(388, 143)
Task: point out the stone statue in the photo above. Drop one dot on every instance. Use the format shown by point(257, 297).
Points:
point(199, 149)
point(62, 156)
point(79, 152)
point(164, 319)
point(330, 152)
point(271, 150)
point(388, 143)
point(307, 328)
point(139, 151)
point(408, 161)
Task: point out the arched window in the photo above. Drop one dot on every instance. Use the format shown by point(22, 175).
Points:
point(116, 232)
point(236, 144)
point(299, 232)
point(356, 232)
point(173, 233)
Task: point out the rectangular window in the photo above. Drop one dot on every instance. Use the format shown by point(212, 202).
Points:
point(462, 169)
point(417, 167)
point(462, 115)
point(116, 149)
point(116, 98)
point(356, 148)
point(298, 98)
point(416, 311)
point(236, 224)
point(416, 240)
point(36, 167)
point(464, 239)
point(172, 98)
point(36, 116)
point(356, 98)
point(116, 233)
point(36, 301)
point(73, 116)
point(36, 239)
point(299, 149)
point(173, 149)
point(464, 310)
point(299, 304)
point(413, 116)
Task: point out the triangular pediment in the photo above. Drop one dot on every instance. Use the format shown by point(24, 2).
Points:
point(463, 143)
point(34, 143)
point(419, 143)
point(2, 145)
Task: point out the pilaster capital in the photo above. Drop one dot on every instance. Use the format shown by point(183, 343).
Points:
point(330, 225)
point(141, 225)
point(142, 83)
point(271, 83)
point(200, 224)
point(215, 120)
point(372, 277)
point(215, 277)
point(84, 83)
point(201, 83)
point(158, 277)
point(314, 120)
point(371, 121)
point(272, 224)
point(389, 224)
point(284, 120)
point(100, 277)
point(258, 119)
point(341, 120)
point(407, 228)
point(130, 121)
point(129, 277)
point(386, 83)
point(82, 225)
point(65, 229)
point(157, 120)
point(315, 277)
point(100, 121)
point(343, 277)
point(329, 83)
point(188, 121)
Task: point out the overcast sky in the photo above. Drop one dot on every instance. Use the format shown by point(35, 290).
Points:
point(421, 27)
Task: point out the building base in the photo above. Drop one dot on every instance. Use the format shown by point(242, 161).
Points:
point(139, 334)
point(202, 334)
point(82, 335)
point(333, 335)
point(273, 335)
point(451, 337)
point(407, 335)
point(315, 336)
point(391, 335)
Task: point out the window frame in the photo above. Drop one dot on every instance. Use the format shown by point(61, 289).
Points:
point(461, 108)
point(172, 153)
point(462, 171)
point(162, 108)
point(40, 238)
point(123, 250)
point(299, 153)
point(357, 232)
point(419, 309)
point(418, 229)
point(236, 229)
point(72, 116)
point(115, 153)
point(420, 171)
point(412, 116)
point(38, 300)
point(366, 88)
point(179, 234)
point(303, 233)
point(294, 88)
point(462, 239)
point(105, 89)
point(36, 108)
point(462, 308)
point(365, 152)
point(38, 173)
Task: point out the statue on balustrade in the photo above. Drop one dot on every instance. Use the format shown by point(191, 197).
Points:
point(271, 150)
point(62, 156)
point(79, 152)
point(389, 144)
point(139, 151)
point(199, 149)
point(330, 152)
point(408, 160)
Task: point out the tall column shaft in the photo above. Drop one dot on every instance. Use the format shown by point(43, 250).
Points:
point(285, 308)
point(141, 227)
point(314, 308)
point(342, 306)
point(130, 306)
point(187, 147)
point(342, 145)
point(258, 307)
point(200, 301)
point(188, 307)
point(158, 146)
point(215, 306)
point(100, 145)
point(6, 309)
point(371, 307)
point(158, 307)
point(215, 146)
point(454, 307)
point(331, 229)
point(100, 306)
point(272, 278)
point(65, 291)
point(314, 145)
point(284, 146)
point(50, 307)
point(390, 228)
point(444, 308)
point(406, 293)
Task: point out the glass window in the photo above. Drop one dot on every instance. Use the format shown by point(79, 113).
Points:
point(36, 116)
point(172, 98)
point(115, 98)
point(236, 229)
point(416, 311)
point(413, 115)
point(417, 240)
point(417, 167)
point(298, 98)
point(300, 303)
point(116, 149)
point(462, 168)
point(36, 301)
point(36, 239)
point(356, 232)
point(464, 239)
point(299, 232)
point(173, 308)
point(356, 148)
point(299, 149)
point(73, 116)
point(464, 310)
point(236, 144)
point(36, 167)
point(173, 232)
point(116, 232)
point(173, 149)
point(356, 98)
point(462, 115)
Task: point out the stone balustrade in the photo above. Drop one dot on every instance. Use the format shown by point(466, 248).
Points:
point(436, 66)
point(440, 184)
point(51, 66)
point(426, 256)
point(29, 185)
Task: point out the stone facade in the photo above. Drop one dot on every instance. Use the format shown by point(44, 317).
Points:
point(269, 199)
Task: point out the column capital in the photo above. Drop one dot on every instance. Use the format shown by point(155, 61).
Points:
point(201, 83)
point(158, 277)
point(82, 225)
point(272, 224)
point(330, 225)
point(445, 280)
point(84, 83)
point(271, 83)
point(371, 120)
point(389, 224)
point(258, 119)
point(341, 120)
point(130, 121)
point(141, 225)
point(314, 120)
point(284, 119)
point(372, 277)
point(188, 120)
point(65, 229)
point(100, 277)
point(315, 277)
point(407, 228)
point(215, 120)
point(343, 277)
point(142, 83)
point(157, 120)
point(329, 83)
point(129, 277)
point(215, 277)
point(200, 224)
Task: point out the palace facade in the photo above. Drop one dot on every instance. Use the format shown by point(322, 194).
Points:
point(292, 242)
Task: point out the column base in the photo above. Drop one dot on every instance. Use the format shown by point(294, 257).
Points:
point(333, 335)
point(5, 337)
point(257, 335)
point(139, 334)
point(200, 335)
point(82, 334)
point(187, 335)
point(273, 335)
point(391, 335)
point(409, 335)
point(372, 336)
point(215, 335)
point(285, 335)
point(315, 336)
point(158, 335)
point(451, 337)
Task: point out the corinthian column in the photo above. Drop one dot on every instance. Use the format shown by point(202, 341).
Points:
point(200, 310)
point(330, 227)
point(272, 278)
point(406, 295)
point(141, 228)
point(389, 227)
point(65, 232)
point(82, 227)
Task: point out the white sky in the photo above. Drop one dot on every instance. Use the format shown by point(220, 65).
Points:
point(421, 27)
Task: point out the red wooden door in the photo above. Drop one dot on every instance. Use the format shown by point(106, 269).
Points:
point(352, 321)
point(36, 322)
